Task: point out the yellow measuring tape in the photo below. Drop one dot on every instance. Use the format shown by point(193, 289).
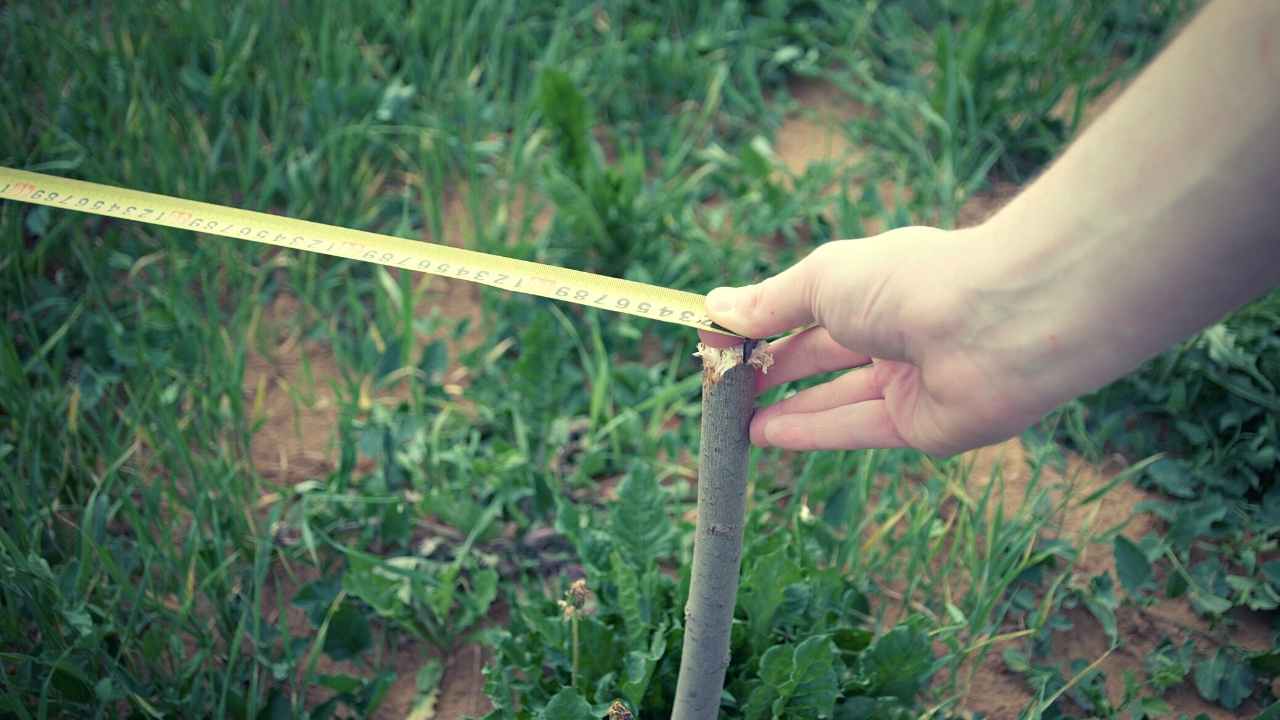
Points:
point(522, 276)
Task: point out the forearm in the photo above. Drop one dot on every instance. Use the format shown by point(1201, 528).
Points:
point(1161, 218)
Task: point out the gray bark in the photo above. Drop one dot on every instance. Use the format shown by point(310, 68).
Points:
point(717, 547)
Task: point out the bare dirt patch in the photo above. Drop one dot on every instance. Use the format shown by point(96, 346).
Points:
point(999, 692)
point(292, 386)
point(815, 133)
point(460, 692)
point(291, 394)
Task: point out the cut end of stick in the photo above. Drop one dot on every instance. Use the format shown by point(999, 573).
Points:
point(718, 361)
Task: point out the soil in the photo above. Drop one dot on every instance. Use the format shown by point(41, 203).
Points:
point(815, 133)
point(998, 692)
point(292, 385)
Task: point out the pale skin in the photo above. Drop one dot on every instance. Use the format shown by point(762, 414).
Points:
point(1163, 216)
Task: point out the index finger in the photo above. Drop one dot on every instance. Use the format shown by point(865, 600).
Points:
point(770, 307)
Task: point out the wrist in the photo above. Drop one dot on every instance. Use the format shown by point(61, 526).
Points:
point(1033, 313)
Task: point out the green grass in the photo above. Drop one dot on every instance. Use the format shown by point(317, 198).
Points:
point(147, 564)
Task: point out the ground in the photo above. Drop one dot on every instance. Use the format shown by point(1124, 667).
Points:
point(299, 418)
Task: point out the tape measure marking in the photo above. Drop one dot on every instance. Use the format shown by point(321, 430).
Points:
point(523, 276)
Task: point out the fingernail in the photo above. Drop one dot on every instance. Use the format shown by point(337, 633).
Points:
point(722, 299)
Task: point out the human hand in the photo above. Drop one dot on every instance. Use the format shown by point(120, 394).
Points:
point(907, 313)
point(1101, 263)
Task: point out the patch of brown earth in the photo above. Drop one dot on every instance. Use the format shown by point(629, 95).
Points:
point(459, 694)
point(289, 383)
point(291, 395)
point(292, 387)
point(815, 133)
point(998, 692)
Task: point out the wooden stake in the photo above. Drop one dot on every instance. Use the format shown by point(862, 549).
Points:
point(728, 396)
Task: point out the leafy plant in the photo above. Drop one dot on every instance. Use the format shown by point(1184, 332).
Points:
point(799, 645)
point(1206, 403)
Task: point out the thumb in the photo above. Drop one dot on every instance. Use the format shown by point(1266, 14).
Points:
point(772, 306)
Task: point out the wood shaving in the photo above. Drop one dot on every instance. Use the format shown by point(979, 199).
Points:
point(718, 361)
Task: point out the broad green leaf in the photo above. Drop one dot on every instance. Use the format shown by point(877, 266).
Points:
point(1210, 604)
point(637, 669)
point(838, 506)
point(348, 633)
point(340, 683)
point(816, 682)
point(480, 595)
point(1101, 603)
point(434, 361)
point(429, 676)
point(634, 617)
point(427, 682)
point(575, 207)
point(852, 640)
point(440, 597)
point(391, 358)
point(796, 681)
point(1016, 660)
point(567, 705)
point(1154, 707)
point(1266, 663)
point(600, 651)
point(1271, 569)
point(763, 591)
point(386, 592)
point(315, 598)
point(106, 690)
point(565, 110)
point(775, 672)
point(1173, 477)
point(375, 692)
point(1237, 682)
point(639, 523)
point(1131, 564)
point(397, 524)
point(899, 662)
point(1208, 676)
point(1168, 666)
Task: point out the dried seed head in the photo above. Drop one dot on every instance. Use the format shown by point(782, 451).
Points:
point(575, 598)
point(618, 711)
point(578, 593)
point(570, 612)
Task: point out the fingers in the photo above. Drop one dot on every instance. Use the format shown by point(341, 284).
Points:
point(848, 389)
point(849, 427)
point(778, 304)
point(716, 340)
point(806, 353)
point(847, 413)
